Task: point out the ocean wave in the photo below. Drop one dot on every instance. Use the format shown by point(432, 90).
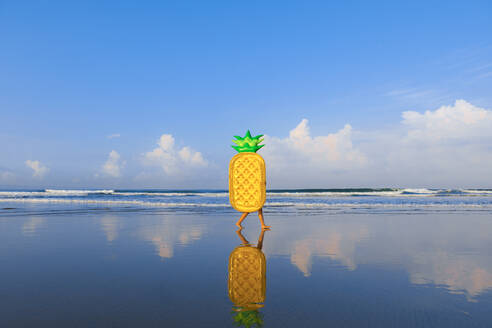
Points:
point(267, 204)
point(420, 191)
point(171, 194)
point(333, 194)
point(376, 205)
point(107, 202)
point(21, 193)
point(404, 192)
point(76, 192)
point(477, 191)
point(306, 193)
point(55, 192)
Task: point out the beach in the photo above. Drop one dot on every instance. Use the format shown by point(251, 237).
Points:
point(246, 164)
point(83, 261)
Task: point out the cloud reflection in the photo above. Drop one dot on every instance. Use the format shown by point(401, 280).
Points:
point(166, 233)
point(450, 251)
point(31, 226)
point(110, 226)
point(337, 241)
point(460, 275)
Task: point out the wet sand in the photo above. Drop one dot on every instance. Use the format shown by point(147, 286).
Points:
point(113, 268)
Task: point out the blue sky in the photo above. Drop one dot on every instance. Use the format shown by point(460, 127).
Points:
point(87, 90)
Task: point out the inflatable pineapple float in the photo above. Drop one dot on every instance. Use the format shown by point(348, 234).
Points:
point(247, 282)
point(247, 178)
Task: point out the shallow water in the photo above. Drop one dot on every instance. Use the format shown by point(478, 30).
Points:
point(114, 267)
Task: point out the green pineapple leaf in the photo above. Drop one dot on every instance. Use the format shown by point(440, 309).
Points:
point(247, 319)
point(248, 144)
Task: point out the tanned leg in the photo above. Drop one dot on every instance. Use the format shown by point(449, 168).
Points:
point(244, 240)
point(238, 223)
point(260, 239)
point(260, 215)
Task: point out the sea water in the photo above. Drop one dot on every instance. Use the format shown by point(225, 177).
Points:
point(325, 200)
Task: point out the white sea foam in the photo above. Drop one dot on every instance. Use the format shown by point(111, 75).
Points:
point(107, 202)
point(21, 193)
point(476, 191)
point(421, 191)
point(404, 192)
point(268, 204)
point(171, 194)
point(376, 205)
point(407, 192)
point(333, 194)
point(53, 192)
point(76, 192)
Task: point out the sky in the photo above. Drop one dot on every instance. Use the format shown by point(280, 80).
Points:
point(132, 94)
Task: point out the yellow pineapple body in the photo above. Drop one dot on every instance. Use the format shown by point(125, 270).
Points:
point(247, 182)
point(247, 277)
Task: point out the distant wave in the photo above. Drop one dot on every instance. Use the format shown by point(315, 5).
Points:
point(404, 192)
point(333, 193)
point(268, 204)
point(375, 205)
point(53, 192)
point(171, 194)
point(279, 193)
point(477, 191)
point(75, 192)
point(108, 202)
point(383, 192)
point(420, 191)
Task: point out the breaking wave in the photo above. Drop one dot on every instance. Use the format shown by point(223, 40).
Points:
point(267, 204)
point(384, 192)
point(77, 192)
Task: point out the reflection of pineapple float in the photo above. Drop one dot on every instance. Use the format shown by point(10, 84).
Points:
point(247, 282)
point(247, 178)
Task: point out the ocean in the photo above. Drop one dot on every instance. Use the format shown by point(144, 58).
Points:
point(314, 200)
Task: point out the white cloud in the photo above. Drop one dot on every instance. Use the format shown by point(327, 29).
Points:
point(410, 93)
point(39, 170)
point(173, 160)
point(308, 157)
point(6, 176)
point(113, 165)
point(463, 120)
point(447, 147)
point(114, 135)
